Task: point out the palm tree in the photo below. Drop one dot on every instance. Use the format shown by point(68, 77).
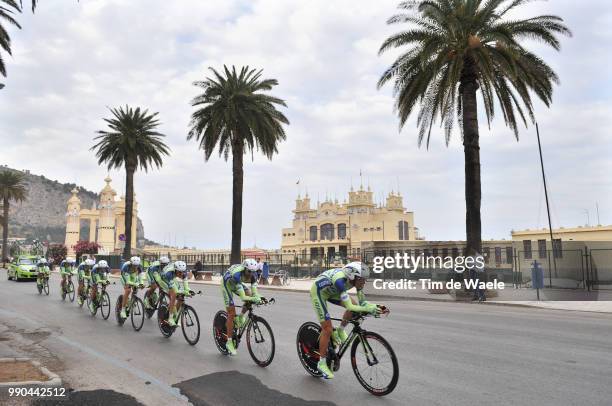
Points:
point(12, 188)
point(132, 142)
point(234, 115)
point(452, 49)
point(7, 10)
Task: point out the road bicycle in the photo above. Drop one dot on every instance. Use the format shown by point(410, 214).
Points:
point(372, 358)
point(285, 277)
point(83, 294)
point(155, 301)
point(259, 336)
point(135, 308)
point(67, 288)
point(186, 316)
point(101, 301)
point(43, 286)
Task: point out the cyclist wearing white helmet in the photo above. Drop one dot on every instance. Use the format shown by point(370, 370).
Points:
point(84, 274)
point(43, 270)
point(99, 275)
point(233, 282)
point(66, 268)
point(154, 269)
point(332, 286)
point(171, 287)
point(131, 272)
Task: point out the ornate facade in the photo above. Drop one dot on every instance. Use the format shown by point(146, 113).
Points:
point(106, 221)
point(333, 229)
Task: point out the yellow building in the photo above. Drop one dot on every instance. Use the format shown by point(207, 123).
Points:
point(334, 228)
point(106, 221)
point(587, 233)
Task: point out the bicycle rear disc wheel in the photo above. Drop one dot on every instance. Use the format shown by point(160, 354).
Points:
point(190, 324)
point(39, 287)
point(149, 312)
point(219, 331)
point(71, 291)
point(105, 305)
point(137, 313)
point(308, 347)
point(162, 315)
point(63, 290)
point(260, 341)
point(93, 313)
point(118, 304)
point(380, 378)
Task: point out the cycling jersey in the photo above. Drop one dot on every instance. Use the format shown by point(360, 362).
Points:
point(66, 268)
point(154, 268)
point(99, 274)
point(130, 274)
point(167, 280)
point(233, 282)
point(332, 286)
point(84, 272)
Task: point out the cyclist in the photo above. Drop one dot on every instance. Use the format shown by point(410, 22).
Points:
point(155, 268)
point(99, 275)
point(42, 268)
point(84, 273)
point(66, 269)
point(332, 286)
point(233, 282)
point(168, 283)
point(130, 276)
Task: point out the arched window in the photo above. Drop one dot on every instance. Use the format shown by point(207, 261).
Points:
point(327, 231)
point(402, 227)
point(341, 231)
point(313, 233)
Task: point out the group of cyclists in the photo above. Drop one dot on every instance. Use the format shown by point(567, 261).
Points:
point(164, 275)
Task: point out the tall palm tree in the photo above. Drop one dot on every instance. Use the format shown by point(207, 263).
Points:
point(12, 188)
point(8, 8)
point(452, 49)
point(234, 116)
point(132, 142)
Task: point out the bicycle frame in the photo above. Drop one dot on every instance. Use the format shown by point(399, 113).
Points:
point(357, 332)
point(249, 307)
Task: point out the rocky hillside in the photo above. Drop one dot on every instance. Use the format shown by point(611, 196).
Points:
point(43, 214)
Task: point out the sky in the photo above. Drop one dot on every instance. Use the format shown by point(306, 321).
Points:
point(72, 61)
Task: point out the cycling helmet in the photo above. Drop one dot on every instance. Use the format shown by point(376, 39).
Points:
point(164, 260)
point(135, 261)
point(180, 266)
point(250, 264)
point(102, 264)
point(356, 269)
point(70, 261)
point(42, 261)
point(89, 262)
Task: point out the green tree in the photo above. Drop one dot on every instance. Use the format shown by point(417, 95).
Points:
point(233, 115)
point(12, 189)
point(8, 8)
point(132, 142)
point(451, 50)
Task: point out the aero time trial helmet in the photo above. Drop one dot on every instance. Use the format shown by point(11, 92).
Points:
point(356, 269)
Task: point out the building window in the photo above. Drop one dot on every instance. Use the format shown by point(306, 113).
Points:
point(313, 233)
point(508, 255)
point(557, 248)
point(402, 227)
point(327, 231)
point(487, 253)
point(498, 255)
point(444, 252)
point(542, 248)
point(527, 248)
point(455, 252)
point(434, 252)
point(342, 231)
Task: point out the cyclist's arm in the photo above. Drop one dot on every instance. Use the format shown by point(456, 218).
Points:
point(244, 296)
point(348, 304)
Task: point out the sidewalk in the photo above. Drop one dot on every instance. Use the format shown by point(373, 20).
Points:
point(507, 297)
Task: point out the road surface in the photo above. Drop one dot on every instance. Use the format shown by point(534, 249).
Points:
point(449, 354)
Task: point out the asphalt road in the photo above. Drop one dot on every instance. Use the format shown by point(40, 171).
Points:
point(449, 354)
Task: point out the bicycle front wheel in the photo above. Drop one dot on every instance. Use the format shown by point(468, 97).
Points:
point(260, 341)
point(374, 363)
point(95, 308)
point(137, 313)
point(46, 286)
point(190, 323)
point(71, 291)
point(105, 305)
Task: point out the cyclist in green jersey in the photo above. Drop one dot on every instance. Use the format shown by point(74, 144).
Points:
point(155, 268)
point(99, 275)
point(131, 275)
point(234, 281)
point(66, 268)
point(42, 268)
point(173, 280)
point(84, 273)
point(332, 286)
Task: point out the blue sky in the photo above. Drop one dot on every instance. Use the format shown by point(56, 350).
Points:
point(71, 60)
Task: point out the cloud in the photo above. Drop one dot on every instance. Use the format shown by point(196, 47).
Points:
point(72, 61)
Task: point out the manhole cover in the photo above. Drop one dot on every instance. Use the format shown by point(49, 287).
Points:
point(19, 371)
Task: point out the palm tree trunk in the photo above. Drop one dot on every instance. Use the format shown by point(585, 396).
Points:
point(238, 176)
point(5, 221)
point(471, 149)
point(129, 210)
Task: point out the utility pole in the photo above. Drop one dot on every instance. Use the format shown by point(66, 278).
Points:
point(552, 241)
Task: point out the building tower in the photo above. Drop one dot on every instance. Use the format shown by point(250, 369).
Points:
point(73, 223)
point(106, 222)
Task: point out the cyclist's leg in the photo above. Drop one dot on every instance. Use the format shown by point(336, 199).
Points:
point(228, 300)
point(320, 308)
point(126, 279)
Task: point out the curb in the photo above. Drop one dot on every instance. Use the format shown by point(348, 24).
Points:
point(54, 379)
